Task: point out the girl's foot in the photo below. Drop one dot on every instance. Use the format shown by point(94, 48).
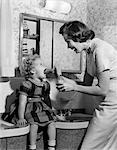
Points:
point(51, 144)
point(32, 147)
point(51, 147)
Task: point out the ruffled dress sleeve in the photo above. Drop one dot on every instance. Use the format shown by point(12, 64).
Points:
point(25, 88)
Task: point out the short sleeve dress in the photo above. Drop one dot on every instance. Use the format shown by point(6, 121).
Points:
point(102, 131)
point(38, 107)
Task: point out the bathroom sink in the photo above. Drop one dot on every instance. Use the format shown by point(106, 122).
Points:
point(10, 130)
point(78, 117)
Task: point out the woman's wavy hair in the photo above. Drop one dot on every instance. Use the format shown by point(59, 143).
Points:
point(77, 31)
point(27, 65)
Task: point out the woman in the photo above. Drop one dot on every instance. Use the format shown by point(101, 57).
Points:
point(101, 62)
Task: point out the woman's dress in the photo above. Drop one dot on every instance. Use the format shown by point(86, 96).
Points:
point(102, 131)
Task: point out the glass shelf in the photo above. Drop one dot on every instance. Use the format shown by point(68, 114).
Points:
point(35, 37)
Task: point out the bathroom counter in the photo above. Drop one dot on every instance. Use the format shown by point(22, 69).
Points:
point(13, 131)
point(74, 121)
point(9, 132)
point(72, 125)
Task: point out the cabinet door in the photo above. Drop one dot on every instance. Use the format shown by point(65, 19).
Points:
point(46, 42)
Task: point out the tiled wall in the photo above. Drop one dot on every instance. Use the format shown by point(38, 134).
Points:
point(102, 18)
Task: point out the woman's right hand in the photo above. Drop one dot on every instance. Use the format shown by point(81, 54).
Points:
point(21, 122)
point(65, 84)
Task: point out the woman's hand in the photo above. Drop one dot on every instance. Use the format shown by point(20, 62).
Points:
point(65, 84)
point(21, 122)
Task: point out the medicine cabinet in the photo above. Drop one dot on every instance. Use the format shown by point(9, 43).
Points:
point(41, 35)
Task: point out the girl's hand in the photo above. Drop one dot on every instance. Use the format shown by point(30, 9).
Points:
point(21, 122)
point(65, 84)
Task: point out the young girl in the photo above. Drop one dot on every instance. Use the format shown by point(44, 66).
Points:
point(34, 102)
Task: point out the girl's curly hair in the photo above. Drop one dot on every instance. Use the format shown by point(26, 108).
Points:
point(27, 65)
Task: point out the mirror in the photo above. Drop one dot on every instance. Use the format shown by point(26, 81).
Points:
point(45, 40)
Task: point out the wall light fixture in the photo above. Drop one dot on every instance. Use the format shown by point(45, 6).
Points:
point(58, 6)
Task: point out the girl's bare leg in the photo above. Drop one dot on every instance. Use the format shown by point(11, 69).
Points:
point(33, 136)
point(52, 136)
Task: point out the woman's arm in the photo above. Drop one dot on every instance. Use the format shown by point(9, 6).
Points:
point(21, 110)
point(101, 89)
point(103, 76)
point(87, 81)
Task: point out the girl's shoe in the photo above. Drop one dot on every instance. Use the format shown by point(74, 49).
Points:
point(51, 148)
